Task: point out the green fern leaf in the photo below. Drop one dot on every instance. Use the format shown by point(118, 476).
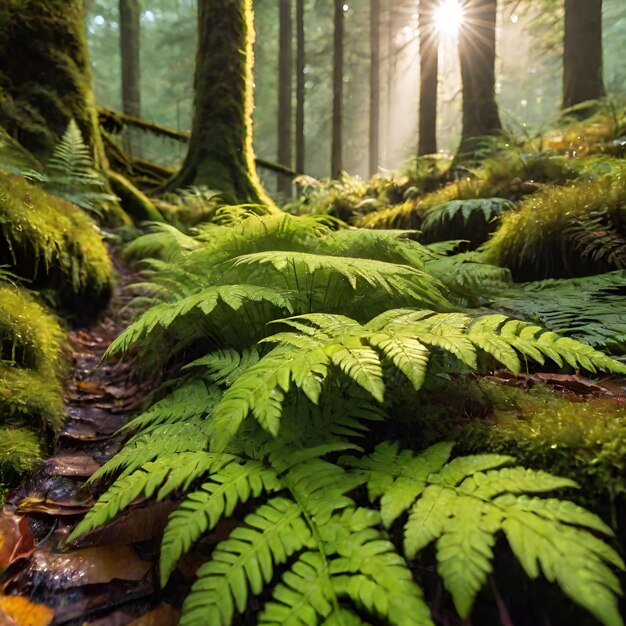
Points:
point(201, 510)
point(244, 563)
point(166, 474)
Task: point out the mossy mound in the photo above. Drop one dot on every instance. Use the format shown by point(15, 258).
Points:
point(31, 371)
point(585, 441)
point(53, 244)
point(534, 242)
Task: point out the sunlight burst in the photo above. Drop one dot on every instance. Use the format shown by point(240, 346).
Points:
point(449, 17)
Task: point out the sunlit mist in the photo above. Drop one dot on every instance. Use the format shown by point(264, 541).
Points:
point(449, 17)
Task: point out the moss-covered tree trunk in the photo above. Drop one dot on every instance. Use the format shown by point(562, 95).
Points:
point(45, 76)
point(220, 153)
point(477, 51)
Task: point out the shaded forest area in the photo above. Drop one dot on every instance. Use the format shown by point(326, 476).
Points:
point(312, 312)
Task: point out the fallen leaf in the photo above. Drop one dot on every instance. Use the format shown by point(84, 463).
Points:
point(81, 466)
point(19, 611)
point(15, 539)
point(89, 566)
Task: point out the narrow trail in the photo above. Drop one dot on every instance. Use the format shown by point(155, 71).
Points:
point(108, 578)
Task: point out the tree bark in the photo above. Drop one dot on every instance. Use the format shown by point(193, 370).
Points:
point(477, 50)
point(300, 89)
point(45, 75)
point(429, 68)
point(129, 48)
point(220, 153)
point(337, 140)
point(582, 52)
point(284, 94)
point(374, 125)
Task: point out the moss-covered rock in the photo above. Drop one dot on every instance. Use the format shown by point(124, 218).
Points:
point(53, 244)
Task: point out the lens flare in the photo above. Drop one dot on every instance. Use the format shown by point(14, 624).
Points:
point(449, 17)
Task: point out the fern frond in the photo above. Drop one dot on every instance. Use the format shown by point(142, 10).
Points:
point(201, 510)
point(245, 563)
point(192, 400)
point(160, 477)
point(225, 366)
point(176, 317)
point(463, 504)
point(487, 208)
point(153, 443)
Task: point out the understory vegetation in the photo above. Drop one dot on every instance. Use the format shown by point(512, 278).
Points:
point(358, 405)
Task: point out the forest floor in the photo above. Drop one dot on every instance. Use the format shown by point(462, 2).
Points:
point(108, 578)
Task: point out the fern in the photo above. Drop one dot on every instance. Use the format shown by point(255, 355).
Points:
point(463, 504)
point(587, 309)
point(487, 208)
point(70, 173)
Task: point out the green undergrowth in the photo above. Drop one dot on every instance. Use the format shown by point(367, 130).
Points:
point(534, 242)
point(32, 368)
point(296, 354)
point(584, 440)
point(53, 244)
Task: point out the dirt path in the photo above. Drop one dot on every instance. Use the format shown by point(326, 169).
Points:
point(107, 579)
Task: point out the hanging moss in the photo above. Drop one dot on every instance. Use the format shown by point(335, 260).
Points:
point(53, 244)
point(533, 241)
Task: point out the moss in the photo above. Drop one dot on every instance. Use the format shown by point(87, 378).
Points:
point(19, 452)
point(582, 440)
point(32, 398)
point(53, 244)
point(532, 242)
point(30, 336)
point(134, 202)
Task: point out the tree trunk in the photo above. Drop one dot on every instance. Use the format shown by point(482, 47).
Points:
point(336, 153)
point(220, 153)
point(477, 50)
point(45, 76)
point(429, 67)
point(582, 52)
point(129, 48)
point(284, 94)
point(374, 126)
point(300, 86)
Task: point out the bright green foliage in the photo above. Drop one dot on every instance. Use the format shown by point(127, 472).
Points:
point(463, 504)
point(252, 431)
point(534, 242)
point(51, 242)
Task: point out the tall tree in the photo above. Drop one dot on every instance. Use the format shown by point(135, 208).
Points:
point(284, 93)
point(300, 88)
point(45, 75)
point(220, 154)
point(429, 67)
point(582, 52)
point(374, 125)
point(129, 47)
point(477, 50)
point(336, 151)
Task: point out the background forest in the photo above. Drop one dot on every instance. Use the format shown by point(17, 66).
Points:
point(354, 355)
